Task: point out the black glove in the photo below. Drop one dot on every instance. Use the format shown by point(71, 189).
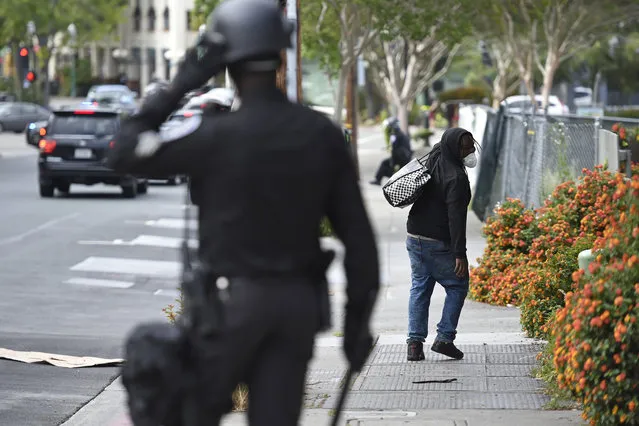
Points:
point(200, 64)
point(358, 341)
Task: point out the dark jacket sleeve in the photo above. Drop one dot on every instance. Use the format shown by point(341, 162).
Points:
point(348, 217)
point(181, 149)
point(457, 196)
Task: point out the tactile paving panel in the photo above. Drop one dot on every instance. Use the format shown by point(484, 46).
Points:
point(441, 401)
point(515, 349)
point(505, 358)
point(514, 384)
point(405, 383)
point(508, 370)
point(424, 369)
point(478, 349)
point(400, 358)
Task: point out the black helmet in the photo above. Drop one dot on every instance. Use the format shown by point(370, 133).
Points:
point(254, 32)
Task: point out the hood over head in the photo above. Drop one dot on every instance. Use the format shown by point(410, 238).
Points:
point(448, 149)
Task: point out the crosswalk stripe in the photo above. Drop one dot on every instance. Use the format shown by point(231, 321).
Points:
point(115, 265)
point(160, 241)
point(92, 282)
point(173, 223)
point(169, 293)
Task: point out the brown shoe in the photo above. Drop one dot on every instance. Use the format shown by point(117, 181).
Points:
point(415, 351)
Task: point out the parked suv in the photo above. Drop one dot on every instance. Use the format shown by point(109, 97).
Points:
point(73, 150)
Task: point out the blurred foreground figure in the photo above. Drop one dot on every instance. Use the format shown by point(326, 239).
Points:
point(267, 174)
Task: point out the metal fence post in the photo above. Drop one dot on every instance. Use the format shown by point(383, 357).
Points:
point(597, 128)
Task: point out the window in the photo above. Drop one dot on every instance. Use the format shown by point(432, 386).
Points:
point(137, 19)
point(188, 20)
point(151, 18)
point(165, 15)
point(83, 125)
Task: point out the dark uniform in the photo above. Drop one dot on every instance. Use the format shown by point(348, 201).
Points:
point(268, 173)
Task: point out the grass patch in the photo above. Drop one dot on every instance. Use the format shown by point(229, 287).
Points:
point(545, 370)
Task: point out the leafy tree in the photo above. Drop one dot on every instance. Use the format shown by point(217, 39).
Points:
point(94, 20)
point(414, 46)
point(567, 26)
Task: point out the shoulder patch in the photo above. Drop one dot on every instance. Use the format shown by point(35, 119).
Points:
point(148, 143)
point(179, 131)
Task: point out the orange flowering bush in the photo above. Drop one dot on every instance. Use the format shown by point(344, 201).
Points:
point(596, 334)
point(509, 234)
point(531, 255)
point(627, 135)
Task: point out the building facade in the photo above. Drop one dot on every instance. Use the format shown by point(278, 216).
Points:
point(149, 43)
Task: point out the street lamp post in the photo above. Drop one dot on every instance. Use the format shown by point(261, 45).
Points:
point(73, 32)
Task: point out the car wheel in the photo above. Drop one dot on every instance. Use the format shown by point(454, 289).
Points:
point(143, 187)
point(175, 180)
point(130, 191)
point(64, 187)
point(46, 191)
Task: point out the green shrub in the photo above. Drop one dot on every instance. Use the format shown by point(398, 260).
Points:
point(624, 113)
point(423, 135)
point(475, 94)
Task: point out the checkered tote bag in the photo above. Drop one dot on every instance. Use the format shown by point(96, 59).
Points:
point(406, 185)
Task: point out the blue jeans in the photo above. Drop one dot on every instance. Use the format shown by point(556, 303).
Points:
point(432, 261)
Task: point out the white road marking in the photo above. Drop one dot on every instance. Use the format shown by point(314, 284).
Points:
point(115, 265)
point(38, 228)
point(160, 241)
point(170, 223)
point(169, 293)
point(92, 282)
point(143, 240)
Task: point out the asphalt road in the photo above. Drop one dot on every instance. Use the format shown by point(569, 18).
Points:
point(41, 310)
point(77, 273)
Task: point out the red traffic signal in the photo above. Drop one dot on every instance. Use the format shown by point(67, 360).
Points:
point(31, 77)
point(24, 52)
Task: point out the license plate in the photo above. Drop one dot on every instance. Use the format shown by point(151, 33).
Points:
point(83, 153)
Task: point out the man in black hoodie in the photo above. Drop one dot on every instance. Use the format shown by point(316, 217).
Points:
point(436, 243)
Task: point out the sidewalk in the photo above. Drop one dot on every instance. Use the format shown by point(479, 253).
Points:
point(493, 384)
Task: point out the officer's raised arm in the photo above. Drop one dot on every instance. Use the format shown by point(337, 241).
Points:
point(140, 147)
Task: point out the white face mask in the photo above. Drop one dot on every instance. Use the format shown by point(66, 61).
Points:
point(470, 160)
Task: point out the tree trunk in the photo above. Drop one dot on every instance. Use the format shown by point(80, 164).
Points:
point(46, 96)
point(370, 101)
point(550, 68)
point(499, 90)
point(402, 114)
point(17, 83)
point(341, 91)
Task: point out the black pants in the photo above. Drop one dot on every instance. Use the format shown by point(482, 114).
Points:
point(267, 342)
point(385, 169)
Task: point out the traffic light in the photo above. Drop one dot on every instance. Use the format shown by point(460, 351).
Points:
point(24, 52)
point(31, 76)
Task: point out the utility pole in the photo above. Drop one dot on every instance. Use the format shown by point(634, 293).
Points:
point(298, 50)
point(281, 73)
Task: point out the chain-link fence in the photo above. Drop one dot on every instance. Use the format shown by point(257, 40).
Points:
point(526, 157)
